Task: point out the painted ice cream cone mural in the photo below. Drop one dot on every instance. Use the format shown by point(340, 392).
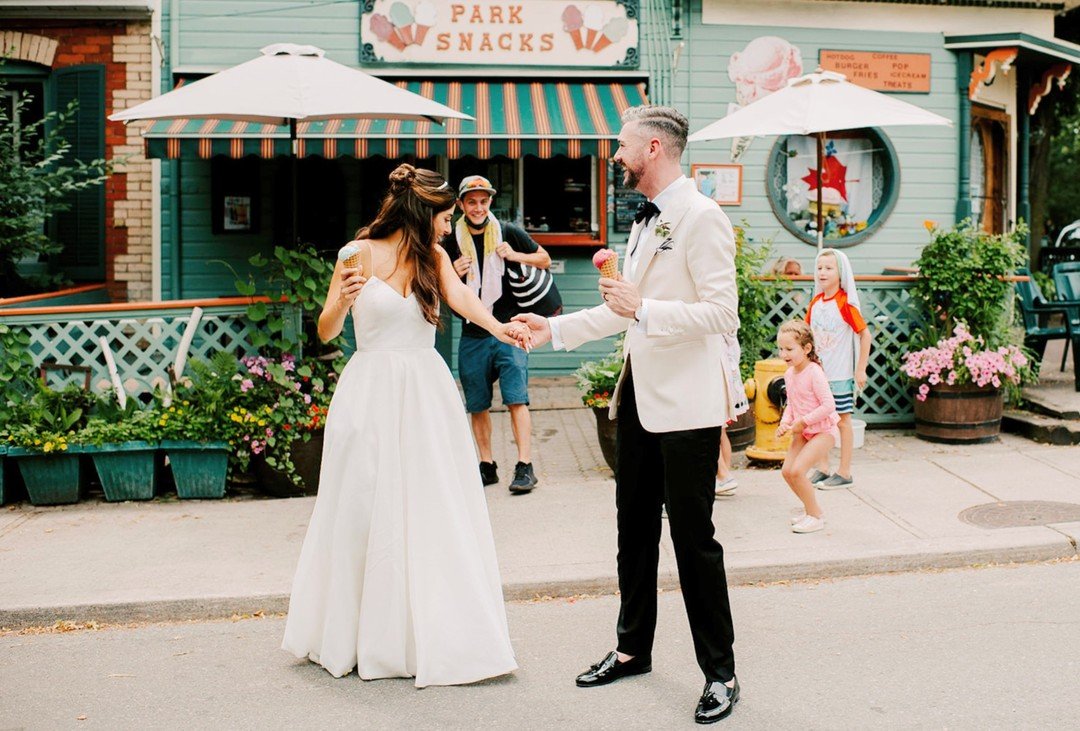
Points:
point(572, 20)
point(594, 21)
point(614, 31)
point(425, 16)
point(385, 31)
point(402, 18)
point(764, 66)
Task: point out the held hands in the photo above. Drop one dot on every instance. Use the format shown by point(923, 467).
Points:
point(620, 296)
point(515, 333)
point(538, 327)
point(352, 281)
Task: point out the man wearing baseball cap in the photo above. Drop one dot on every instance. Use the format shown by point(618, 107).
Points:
point(508, 271)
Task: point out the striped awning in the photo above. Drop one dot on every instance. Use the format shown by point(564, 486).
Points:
point(512, 119)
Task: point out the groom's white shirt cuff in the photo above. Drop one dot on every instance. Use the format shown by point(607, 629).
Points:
point(556, 334)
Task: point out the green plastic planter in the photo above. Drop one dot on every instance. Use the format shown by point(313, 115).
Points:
point(128, 470)
point(51, 479)
point(199, 468)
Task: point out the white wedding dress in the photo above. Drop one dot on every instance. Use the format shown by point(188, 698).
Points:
point(397, 575)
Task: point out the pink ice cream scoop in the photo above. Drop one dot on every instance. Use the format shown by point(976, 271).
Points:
point(607, 261)
point(572, 20)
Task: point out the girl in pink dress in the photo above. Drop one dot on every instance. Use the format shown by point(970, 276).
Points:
point(810, 416)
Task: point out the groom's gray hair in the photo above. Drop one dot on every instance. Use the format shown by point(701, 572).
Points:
point(667, 123)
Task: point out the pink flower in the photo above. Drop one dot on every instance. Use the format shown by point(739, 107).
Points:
point(246, 385)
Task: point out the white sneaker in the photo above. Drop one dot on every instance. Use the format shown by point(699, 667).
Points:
point(726, 487)
point(797, 514)
point(808, 524)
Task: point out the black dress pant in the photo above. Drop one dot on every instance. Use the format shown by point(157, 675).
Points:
point(677, 469)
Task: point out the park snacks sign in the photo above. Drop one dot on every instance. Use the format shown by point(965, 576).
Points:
point(601, 33)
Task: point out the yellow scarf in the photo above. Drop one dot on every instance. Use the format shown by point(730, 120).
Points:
point(488, 288)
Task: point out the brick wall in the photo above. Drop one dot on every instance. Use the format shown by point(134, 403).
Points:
point(124, 48)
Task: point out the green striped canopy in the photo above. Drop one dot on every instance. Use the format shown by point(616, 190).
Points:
point(512, 119)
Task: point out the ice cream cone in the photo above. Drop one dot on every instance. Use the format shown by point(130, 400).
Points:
point(349, 256)
point(406, 34)
point(421, 33)
point(579, 42)
point(610, 269)
point(601, 44)
point(590, 36)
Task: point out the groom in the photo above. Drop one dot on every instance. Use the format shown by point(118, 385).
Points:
point(675, 297)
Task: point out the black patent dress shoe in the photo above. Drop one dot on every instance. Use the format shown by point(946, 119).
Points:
point(716, 702)
point(610, 669)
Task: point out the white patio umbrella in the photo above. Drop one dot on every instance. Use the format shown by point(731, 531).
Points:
point(286, 84)
point(821, 102)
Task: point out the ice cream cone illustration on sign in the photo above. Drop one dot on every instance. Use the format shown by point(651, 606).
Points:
point(594, 21)
point(402, 18)
point(613, 33)
point(384, 30)
point(425, 18)
point(572, 20)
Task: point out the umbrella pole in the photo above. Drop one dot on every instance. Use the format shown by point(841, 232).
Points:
point(820, 211)
point(295, 182)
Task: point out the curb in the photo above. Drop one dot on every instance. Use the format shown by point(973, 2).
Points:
point(224, 607)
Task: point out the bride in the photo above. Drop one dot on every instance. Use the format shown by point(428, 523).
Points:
point(397, 575)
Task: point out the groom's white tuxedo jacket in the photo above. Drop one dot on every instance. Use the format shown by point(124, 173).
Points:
point(686, 274)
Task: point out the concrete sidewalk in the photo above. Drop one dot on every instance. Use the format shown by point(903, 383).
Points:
point(173, 560)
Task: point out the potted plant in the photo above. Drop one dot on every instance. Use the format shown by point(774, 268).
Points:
point(197, 432)
point(966, 352)
point(596, 379)
point(42, 437)
point(281, 414)
point(123, 444)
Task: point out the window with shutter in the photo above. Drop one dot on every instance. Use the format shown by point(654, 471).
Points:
point(81, 228)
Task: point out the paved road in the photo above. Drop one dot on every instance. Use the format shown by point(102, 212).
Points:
point(977, 648)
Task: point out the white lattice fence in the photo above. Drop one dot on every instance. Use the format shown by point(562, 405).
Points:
point(143, 341)
point(890, 315)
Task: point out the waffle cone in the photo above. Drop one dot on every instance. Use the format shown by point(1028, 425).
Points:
point(610, 268)
point(352, 262)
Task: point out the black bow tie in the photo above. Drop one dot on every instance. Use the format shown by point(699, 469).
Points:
point(645, 211)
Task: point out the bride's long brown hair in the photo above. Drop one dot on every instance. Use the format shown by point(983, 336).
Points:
point(416, 195)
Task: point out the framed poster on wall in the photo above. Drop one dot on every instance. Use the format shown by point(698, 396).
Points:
point(720, 181)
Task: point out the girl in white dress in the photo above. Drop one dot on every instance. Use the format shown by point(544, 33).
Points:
point(397, 575)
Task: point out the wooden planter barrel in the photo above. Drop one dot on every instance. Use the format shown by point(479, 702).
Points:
point(742, 431)
point(959, 414)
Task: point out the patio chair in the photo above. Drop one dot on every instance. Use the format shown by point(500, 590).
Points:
point(1066, 276)
point(1032, 305)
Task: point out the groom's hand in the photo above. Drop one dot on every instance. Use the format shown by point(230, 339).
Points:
point(541, 331)
point(620, 296)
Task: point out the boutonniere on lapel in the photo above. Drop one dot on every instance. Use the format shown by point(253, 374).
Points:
point(662, 230)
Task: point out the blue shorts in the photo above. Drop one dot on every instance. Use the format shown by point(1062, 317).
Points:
point(843, 393)
point(481, 362)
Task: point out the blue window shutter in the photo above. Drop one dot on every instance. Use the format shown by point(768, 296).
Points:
point(81, 228)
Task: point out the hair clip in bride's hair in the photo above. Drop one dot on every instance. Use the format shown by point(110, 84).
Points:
point(444, 185)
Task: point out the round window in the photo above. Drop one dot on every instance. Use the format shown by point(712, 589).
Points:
point(860, 178)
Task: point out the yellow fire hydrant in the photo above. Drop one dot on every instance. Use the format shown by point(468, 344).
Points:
point(765, 392)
